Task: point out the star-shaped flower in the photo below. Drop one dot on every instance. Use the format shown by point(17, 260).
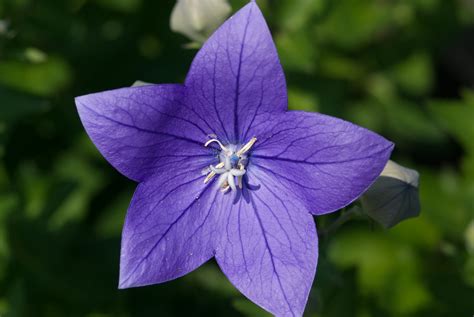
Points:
point(226, 171)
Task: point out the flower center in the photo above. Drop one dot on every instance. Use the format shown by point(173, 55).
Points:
point(233, 161)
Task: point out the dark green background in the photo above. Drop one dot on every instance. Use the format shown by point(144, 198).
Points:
point(402, 68)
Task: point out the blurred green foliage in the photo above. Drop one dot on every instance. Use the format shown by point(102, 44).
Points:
point(404, 68)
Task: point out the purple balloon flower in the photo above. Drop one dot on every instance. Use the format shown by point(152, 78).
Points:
point(226, 171)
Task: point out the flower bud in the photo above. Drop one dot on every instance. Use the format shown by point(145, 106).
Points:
point(197, 19)
point(139, 83)
point(394, 196)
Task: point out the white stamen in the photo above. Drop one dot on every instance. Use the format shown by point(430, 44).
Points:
point(225, 189)
point(247, 147)
point(232, 164)
point(217, 171)
point(231, 181)
point(222, 181)
point(223, 148)
point(238, 173)
point(212, 173)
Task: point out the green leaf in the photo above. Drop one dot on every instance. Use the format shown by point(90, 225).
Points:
point(340, 67)
point(249, 309)
point(16, 104)
point(405, 122)
point(43, 79)
point(211, 278)
point(468, 271)
point(414, 75)
point(409, 122)
point(7, 202)
point(443, 200)
point(408, 295)
point(297, 51)
point(419, 232)
point(126, 6)
point(302, 100)
point(372, 255)
point(457, 118)
point(386, 269)
point(87, 181)
point(351, 23)
point(425, 5)
point(469, 237)
point(296, 14)
point(111, 219)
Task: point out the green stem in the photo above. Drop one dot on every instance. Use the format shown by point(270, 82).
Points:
point(343, 218)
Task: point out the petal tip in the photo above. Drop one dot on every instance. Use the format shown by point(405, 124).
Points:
point(126, 280)
point(123, 281)
point(81, 102)
point(391, 145)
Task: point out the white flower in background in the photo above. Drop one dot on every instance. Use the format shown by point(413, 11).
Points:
point(139, 83)
point(3, 27)
point(469, 235)
point(394, 195)
point(197, 19)
point(5, 30)
point(399, 172)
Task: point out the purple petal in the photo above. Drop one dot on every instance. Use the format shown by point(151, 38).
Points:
point(269, 247)
point(326, 162)
point(237, 76)
point(170, 227)
point(143, 130)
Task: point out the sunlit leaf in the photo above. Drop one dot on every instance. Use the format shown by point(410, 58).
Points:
point(443, 201)
point(301, 100)
point(414, 74)
point(295, 15)
point(469, 271)
point(352, 23)
point(43, 79)
point(456, 118)
point(296, 51)
point(386, 269)
point(469, 237)
point(419, 232)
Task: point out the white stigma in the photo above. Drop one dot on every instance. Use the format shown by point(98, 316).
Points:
point(232, 165)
